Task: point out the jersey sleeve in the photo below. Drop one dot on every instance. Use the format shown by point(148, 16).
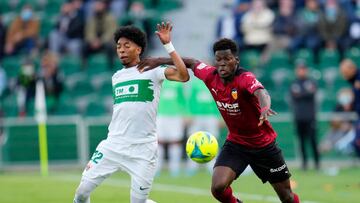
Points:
point(250, 83)
point(160, 72)
point(202, 70)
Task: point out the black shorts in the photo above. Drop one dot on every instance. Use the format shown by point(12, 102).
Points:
point(268, 162)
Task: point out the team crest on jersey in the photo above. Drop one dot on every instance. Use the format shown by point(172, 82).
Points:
point(234, 93)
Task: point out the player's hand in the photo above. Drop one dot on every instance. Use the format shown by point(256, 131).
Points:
point(163, 32)
point(147, 64)
point(265, 115)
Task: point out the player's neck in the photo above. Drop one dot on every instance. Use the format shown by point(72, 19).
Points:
point(132, 63)
point(227, 80)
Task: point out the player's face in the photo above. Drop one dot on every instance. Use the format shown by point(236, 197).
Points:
point(128, 52)
point(226, 63)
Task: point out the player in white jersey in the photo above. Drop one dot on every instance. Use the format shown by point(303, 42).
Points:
point(131, 145)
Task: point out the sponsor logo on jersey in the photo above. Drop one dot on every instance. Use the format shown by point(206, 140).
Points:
point(234, 94)
point(231, 108)
point(133, 90)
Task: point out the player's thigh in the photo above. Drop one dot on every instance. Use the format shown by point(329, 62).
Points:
point(101, 165)
point(170, 128)
point(269, 164)
point(230, 156)
point(142, 167)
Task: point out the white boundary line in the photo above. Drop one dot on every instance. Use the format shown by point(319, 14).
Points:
point(180, 189)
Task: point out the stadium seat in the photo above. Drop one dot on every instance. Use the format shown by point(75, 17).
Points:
point(95, 109)
point(65, 109)
point(70, 65)
point(329, 58)
point(106, 89)
point(306, 55)
point(249, 59)
point(97, 63)
point(354, 54)
point(279, 59)
point(81, 88)
point(9, 105)
point(12, 65)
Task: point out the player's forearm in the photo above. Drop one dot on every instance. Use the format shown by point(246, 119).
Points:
point(189, 62)
point(182, 72)
point(264, 98)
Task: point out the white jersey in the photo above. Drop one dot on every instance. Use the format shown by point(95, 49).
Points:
point(136, 96)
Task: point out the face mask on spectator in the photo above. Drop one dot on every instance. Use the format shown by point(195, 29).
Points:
point(331, 13)
point(26, 14)
point(345, 99)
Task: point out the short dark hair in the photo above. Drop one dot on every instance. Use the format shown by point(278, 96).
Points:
point(224, 44)
point(132, 33)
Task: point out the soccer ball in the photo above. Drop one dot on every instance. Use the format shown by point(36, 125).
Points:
point(201, 147)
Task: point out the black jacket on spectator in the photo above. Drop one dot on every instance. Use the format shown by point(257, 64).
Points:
point(303, 99)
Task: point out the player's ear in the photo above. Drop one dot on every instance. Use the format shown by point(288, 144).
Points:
point(138, 50)
point(237, 60)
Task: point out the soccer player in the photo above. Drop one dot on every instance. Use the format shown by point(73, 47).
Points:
point(245, 107)
point(131, 144)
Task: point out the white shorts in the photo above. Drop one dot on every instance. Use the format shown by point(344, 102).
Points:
point(138, 160)
point(204, 123)
point(170, 128)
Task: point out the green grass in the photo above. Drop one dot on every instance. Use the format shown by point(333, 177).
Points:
point(59, 187)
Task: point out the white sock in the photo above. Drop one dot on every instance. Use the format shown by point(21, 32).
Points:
point(137, 200)
point(83, 192)
point(174, 158)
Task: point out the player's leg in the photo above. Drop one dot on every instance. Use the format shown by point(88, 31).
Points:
point(301, 133)
point(194, 126)
point(284, 192)
point(211, 124)
point(313, 141)
point(269, 165)
point(229, 165)
point(175, 150)
point(97, 170)
point(142, 168)
point(222, 178)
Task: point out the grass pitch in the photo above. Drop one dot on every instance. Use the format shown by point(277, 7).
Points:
point(59, 187)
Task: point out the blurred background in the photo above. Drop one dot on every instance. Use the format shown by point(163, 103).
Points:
point(68, 44)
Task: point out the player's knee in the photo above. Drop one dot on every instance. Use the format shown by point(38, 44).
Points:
point(218, 188)
point(84, 190)
point(286, 198)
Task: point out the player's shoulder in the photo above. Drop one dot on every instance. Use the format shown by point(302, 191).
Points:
point(243, 73)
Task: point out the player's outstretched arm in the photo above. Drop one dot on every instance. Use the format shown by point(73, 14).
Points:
point(265, 104)
point(179, 72)
point(151, 63)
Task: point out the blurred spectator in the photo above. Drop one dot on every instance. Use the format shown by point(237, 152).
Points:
point(2, 37)
point(53, 79)
point(353, 10)
point(341, 132)
point(351, 73)
point(22, 33)
point(69, 32)
point(333, 25)
point(307, 35)
point(141, 18)
point(25, 88)
point(226, 27)
point(256, 26)
point(99, 30)
point(118, 8)
point(303, 91)
point(3, 82)
point(284, 29)
point(241, 7)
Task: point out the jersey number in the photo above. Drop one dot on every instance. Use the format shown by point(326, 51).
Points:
point(96, 156)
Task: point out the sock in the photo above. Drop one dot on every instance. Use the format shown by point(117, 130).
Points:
point(137, 200)
point(226, 196)
point(296, 198)
point(83, 192)
point(174, 159)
